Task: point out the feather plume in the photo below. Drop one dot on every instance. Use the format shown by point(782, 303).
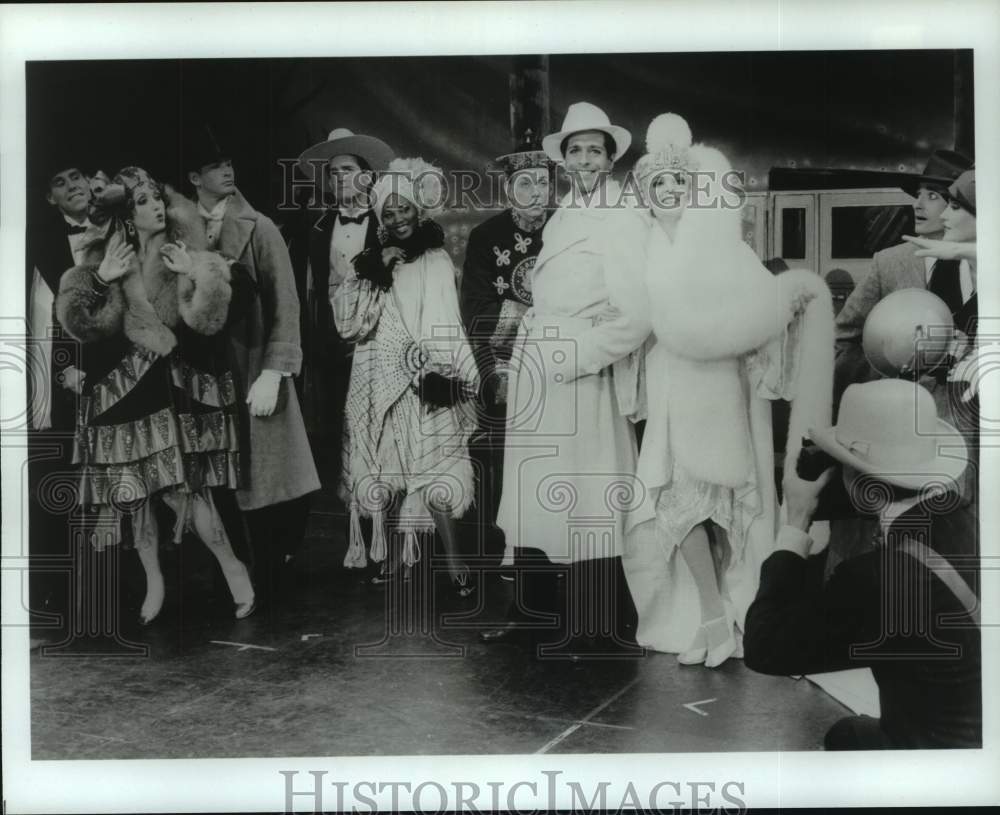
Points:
point(668, 131)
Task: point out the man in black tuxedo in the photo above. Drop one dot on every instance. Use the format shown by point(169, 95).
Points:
point(54, 244)
point(343, 167)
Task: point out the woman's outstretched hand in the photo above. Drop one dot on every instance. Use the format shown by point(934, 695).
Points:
point(176, 257)
point(942, 250)
point(118, 258)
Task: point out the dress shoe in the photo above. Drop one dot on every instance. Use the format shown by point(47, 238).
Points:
point(510, 631)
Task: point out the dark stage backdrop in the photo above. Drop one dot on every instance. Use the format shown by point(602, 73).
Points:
point(864, 109)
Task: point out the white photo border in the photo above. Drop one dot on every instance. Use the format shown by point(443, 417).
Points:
point(156, 31)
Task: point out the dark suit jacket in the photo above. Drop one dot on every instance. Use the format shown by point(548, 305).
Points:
point(326, 357)
point(48, 251)
point(885, 611)
point(316, 243)
point(894, 268)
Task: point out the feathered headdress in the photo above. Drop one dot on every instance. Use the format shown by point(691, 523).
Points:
point(419, 182)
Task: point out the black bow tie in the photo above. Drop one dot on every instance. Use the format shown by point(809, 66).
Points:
point(74, 229)
point(360, 219)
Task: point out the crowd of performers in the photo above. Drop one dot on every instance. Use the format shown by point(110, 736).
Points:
point(516, 391)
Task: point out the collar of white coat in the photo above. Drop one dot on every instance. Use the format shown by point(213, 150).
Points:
point(596, 204)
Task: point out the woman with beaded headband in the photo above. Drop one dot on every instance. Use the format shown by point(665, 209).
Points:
point(158, 421)
point(728, 337)
point(408, 424)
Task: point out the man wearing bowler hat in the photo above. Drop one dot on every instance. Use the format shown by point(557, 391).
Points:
point(343, 167)
point(905, 606)
point(898, 267)
point(267, 354)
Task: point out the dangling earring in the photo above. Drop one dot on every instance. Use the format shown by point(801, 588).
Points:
point(383, 234)
point(130, 228)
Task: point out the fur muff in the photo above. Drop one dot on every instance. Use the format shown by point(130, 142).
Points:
point(717, 303)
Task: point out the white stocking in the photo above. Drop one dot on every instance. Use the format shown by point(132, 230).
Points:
point(208, 526)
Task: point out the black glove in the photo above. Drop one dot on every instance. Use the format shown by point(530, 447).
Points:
point(368, 266)
point(441, 391)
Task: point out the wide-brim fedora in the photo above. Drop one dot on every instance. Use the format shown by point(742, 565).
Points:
point(582, 116)
point(943, 167)
point(342, 142)
point(890, 429)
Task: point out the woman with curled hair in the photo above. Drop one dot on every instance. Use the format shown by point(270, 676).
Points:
point(158, 422)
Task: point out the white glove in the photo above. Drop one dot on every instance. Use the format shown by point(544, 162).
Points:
point(263, 395)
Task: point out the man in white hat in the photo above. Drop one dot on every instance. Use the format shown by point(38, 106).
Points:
point(343, 167)
point(571, 449)
point(906, 606)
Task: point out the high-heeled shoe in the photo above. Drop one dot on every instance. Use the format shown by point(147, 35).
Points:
point(241, 589)
point(400, 572)
point(145, 621)
point(152, 605)
point(244, 610)
point(696, 651)
point(721, 641)
point(463, 584)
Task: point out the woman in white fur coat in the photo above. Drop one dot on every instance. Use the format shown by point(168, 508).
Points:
point(728, 337)
point(158, 416)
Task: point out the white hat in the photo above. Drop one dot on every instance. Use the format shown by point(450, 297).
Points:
point(342, 142)
point(585, 116)
point(890, 429)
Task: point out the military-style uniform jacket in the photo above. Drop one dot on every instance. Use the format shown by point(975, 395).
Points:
point(496, 287)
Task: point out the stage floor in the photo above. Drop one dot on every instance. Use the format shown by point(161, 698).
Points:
point(320, 672)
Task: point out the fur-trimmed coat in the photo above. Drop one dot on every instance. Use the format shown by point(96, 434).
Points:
point(729, 336)
point(159, 408)
point(149, 301)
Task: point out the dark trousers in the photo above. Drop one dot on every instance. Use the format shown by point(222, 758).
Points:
point(486, 451)
point(46, 538)
point(857, 733)
point(275, 533)
point(593, 608)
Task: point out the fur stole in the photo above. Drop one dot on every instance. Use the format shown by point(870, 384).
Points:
point(150, 300)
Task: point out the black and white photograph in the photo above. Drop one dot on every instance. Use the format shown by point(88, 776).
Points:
point(498, 406)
